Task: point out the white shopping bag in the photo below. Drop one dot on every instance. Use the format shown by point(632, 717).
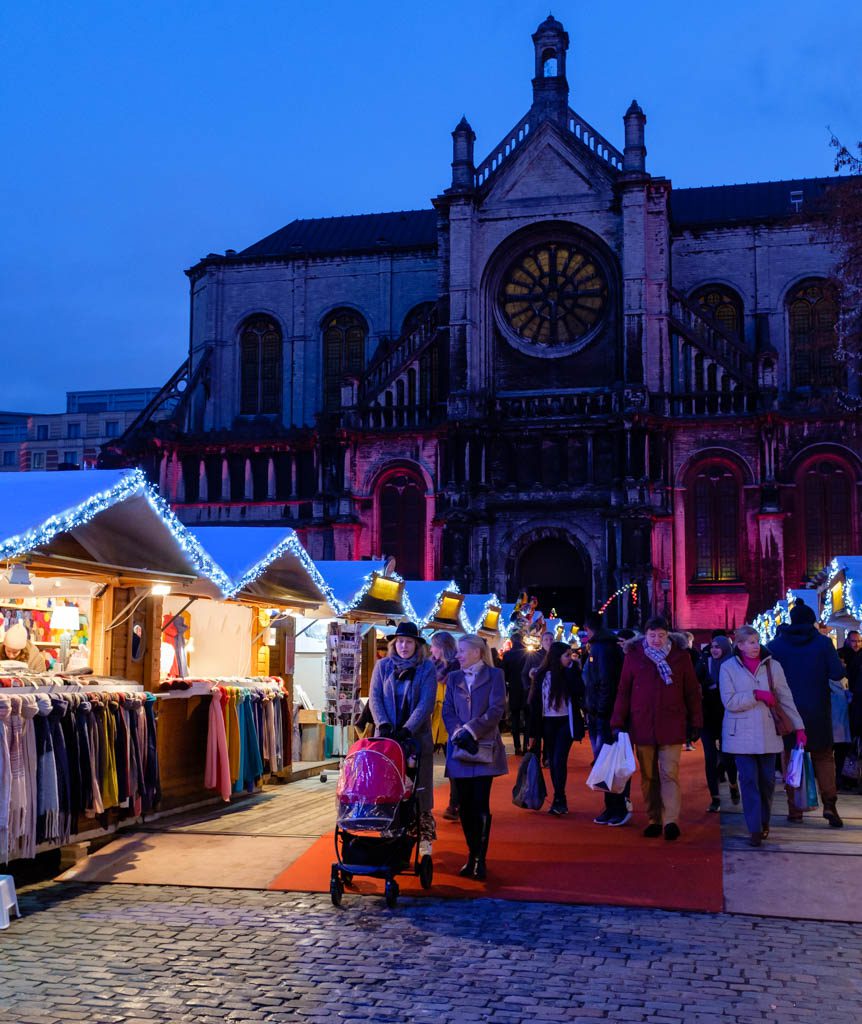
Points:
point(614, 766)
point(793, 775)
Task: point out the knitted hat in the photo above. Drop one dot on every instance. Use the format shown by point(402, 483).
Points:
point(802, 614)
point(15, 638)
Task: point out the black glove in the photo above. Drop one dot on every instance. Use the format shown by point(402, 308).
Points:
point(693, 734)
point(385, 730)
point(615, 735)
point(402, 734)
point(466, 741)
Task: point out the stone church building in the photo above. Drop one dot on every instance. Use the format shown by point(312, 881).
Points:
point(563, 375)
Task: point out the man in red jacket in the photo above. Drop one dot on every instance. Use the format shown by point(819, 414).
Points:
point(659, 704)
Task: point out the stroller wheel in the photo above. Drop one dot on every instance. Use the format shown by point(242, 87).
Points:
point(426, 872)
point(346, 877)
point(391, 893)
point(336, 889)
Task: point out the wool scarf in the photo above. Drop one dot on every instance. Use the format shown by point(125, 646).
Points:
point(658, 656)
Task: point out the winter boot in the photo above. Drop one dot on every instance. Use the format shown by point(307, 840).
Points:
point(472, 837)
point(484, 837)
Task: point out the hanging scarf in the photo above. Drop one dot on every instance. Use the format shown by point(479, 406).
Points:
point(659, 658)
point(59, 710)
point(5, 775)
point(47, 797)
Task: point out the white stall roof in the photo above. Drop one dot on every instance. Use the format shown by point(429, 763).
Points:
point(269, 564)
point(110, 519)
point(475, 606)
point(347, 578)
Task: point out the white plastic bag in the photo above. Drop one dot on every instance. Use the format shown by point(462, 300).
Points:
point(793, 775)
point(614, 766)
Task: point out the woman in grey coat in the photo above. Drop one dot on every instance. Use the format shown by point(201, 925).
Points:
point(402, 693)
point(751, 682)
point(472, 709)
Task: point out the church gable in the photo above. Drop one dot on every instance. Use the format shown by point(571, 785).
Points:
point(549, 167)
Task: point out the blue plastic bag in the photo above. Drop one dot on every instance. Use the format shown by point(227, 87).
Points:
point(840, 713)
point(805, 795)
point(530, 790)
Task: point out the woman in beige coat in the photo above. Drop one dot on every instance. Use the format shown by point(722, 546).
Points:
point(751, 683)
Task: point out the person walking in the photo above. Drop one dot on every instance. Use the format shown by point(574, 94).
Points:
point(720, 650)
point(401, 694)
point(751, 682)
point(513, 668)
point(658, 703)
point(556, 697)
point(810, 660)
point(851, 657)
point(532, 661)
point(472, 709)
point(601, 674)
point(444, 653)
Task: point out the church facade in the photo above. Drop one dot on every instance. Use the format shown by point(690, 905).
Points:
point(564, 376)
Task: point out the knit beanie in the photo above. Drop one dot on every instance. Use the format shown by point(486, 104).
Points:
point(16, 637)
point(802, 614)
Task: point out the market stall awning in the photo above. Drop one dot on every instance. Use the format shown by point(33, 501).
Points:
point(436, 604)
point(102, 522)
point(842, 592)
point(483, 612)
point(364, 590)
point(268, 564)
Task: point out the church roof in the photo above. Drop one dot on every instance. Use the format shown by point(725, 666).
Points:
point(417, 229)
point(758, 201)
point(366, 232)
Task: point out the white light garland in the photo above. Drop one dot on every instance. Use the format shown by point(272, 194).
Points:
point(292, 545)
point(129, 486)
point(492, 602)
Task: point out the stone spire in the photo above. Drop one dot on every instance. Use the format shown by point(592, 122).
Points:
point(463, 168)
point(634, 154)
point(550, 87)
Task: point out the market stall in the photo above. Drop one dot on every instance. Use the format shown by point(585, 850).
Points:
point(436, 604)
point(840, 596)
point(89, 558)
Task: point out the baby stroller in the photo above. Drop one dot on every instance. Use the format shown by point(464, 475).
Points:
point(377, 821)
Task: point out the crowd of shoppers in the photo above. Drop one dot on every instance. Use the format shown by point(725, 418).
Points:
point(749, 705)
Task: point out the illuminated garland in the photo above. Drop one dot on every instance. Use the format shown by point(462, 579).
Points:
point(492, 602)
point(134, 483)
point(633, 587)
point(292, 545)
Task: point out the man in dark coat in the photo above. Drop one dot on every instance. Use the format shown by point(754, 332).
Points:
point(513, 667)
point(601, 674)
point(809, 661)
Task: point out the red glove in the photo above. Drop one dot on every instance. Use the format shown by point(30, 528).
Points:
point(766, 696)
point(801, 738)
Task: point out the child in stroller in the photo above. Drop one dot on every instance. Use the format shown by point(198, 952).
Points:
point(377, 822)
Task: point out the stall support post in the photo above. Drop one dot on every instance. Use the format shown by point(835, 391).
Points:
point(152, 673)
point(100, 641)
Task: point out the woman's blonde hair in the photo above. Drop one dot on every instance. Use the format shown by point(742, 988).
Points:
point(744, 632)
point(446, 642)
point(478, 644)
point(421, 652)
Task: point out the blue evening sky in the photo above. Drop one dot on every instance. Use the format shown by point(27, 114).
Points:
point(140, 136)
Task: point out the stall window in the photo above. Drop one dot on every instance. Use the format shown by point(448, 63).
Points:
point(715, 508)
point(401, 510)
point(344, 336)
point(828, 512)
point(260, 367)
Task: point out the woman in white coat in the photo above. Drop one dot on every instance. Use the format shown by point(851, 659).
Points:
point(751, 682)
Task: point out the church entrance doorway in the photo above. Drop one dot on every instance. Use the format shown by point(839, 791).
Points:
point(556, 572)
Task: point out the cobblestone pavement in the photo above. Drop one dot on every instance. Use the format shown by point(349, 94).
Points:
point(137, 953)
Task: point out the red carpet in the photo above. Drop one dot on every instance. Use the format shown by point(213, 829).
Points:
point(538, 857)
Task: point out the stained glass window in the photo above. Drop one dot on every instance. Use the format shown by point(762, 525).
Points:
point(721, 305)
point(716, 521)
point(553, 295)
point(402, 524)
point(828, 514)
point(260, 367)
point(812, 314)
point(344, 334)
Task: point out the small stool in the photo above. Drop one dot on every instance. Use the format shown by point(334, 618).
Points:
point(8, 899)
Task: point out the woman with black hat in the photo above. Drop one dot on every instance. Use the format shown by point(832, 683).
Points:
point(402, 693)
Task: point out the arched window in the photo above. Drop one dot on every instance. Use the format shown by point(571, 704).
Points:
point(722, 305)
point(415, 317)
point(401, 511)
point(812, 312)
point(344, 334)
point(715, 508)
point(260, 367)
point(549, 63)
point(828, 513)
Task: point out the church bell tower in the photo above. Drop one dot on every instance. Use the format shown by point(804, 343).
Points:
point(550, 87)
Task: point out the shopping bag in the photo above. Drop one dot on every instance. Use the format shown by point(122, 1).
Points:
point(530, 790)
point(840, 713)
point(805, 794)
point(614, 766)
point(793, 775)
